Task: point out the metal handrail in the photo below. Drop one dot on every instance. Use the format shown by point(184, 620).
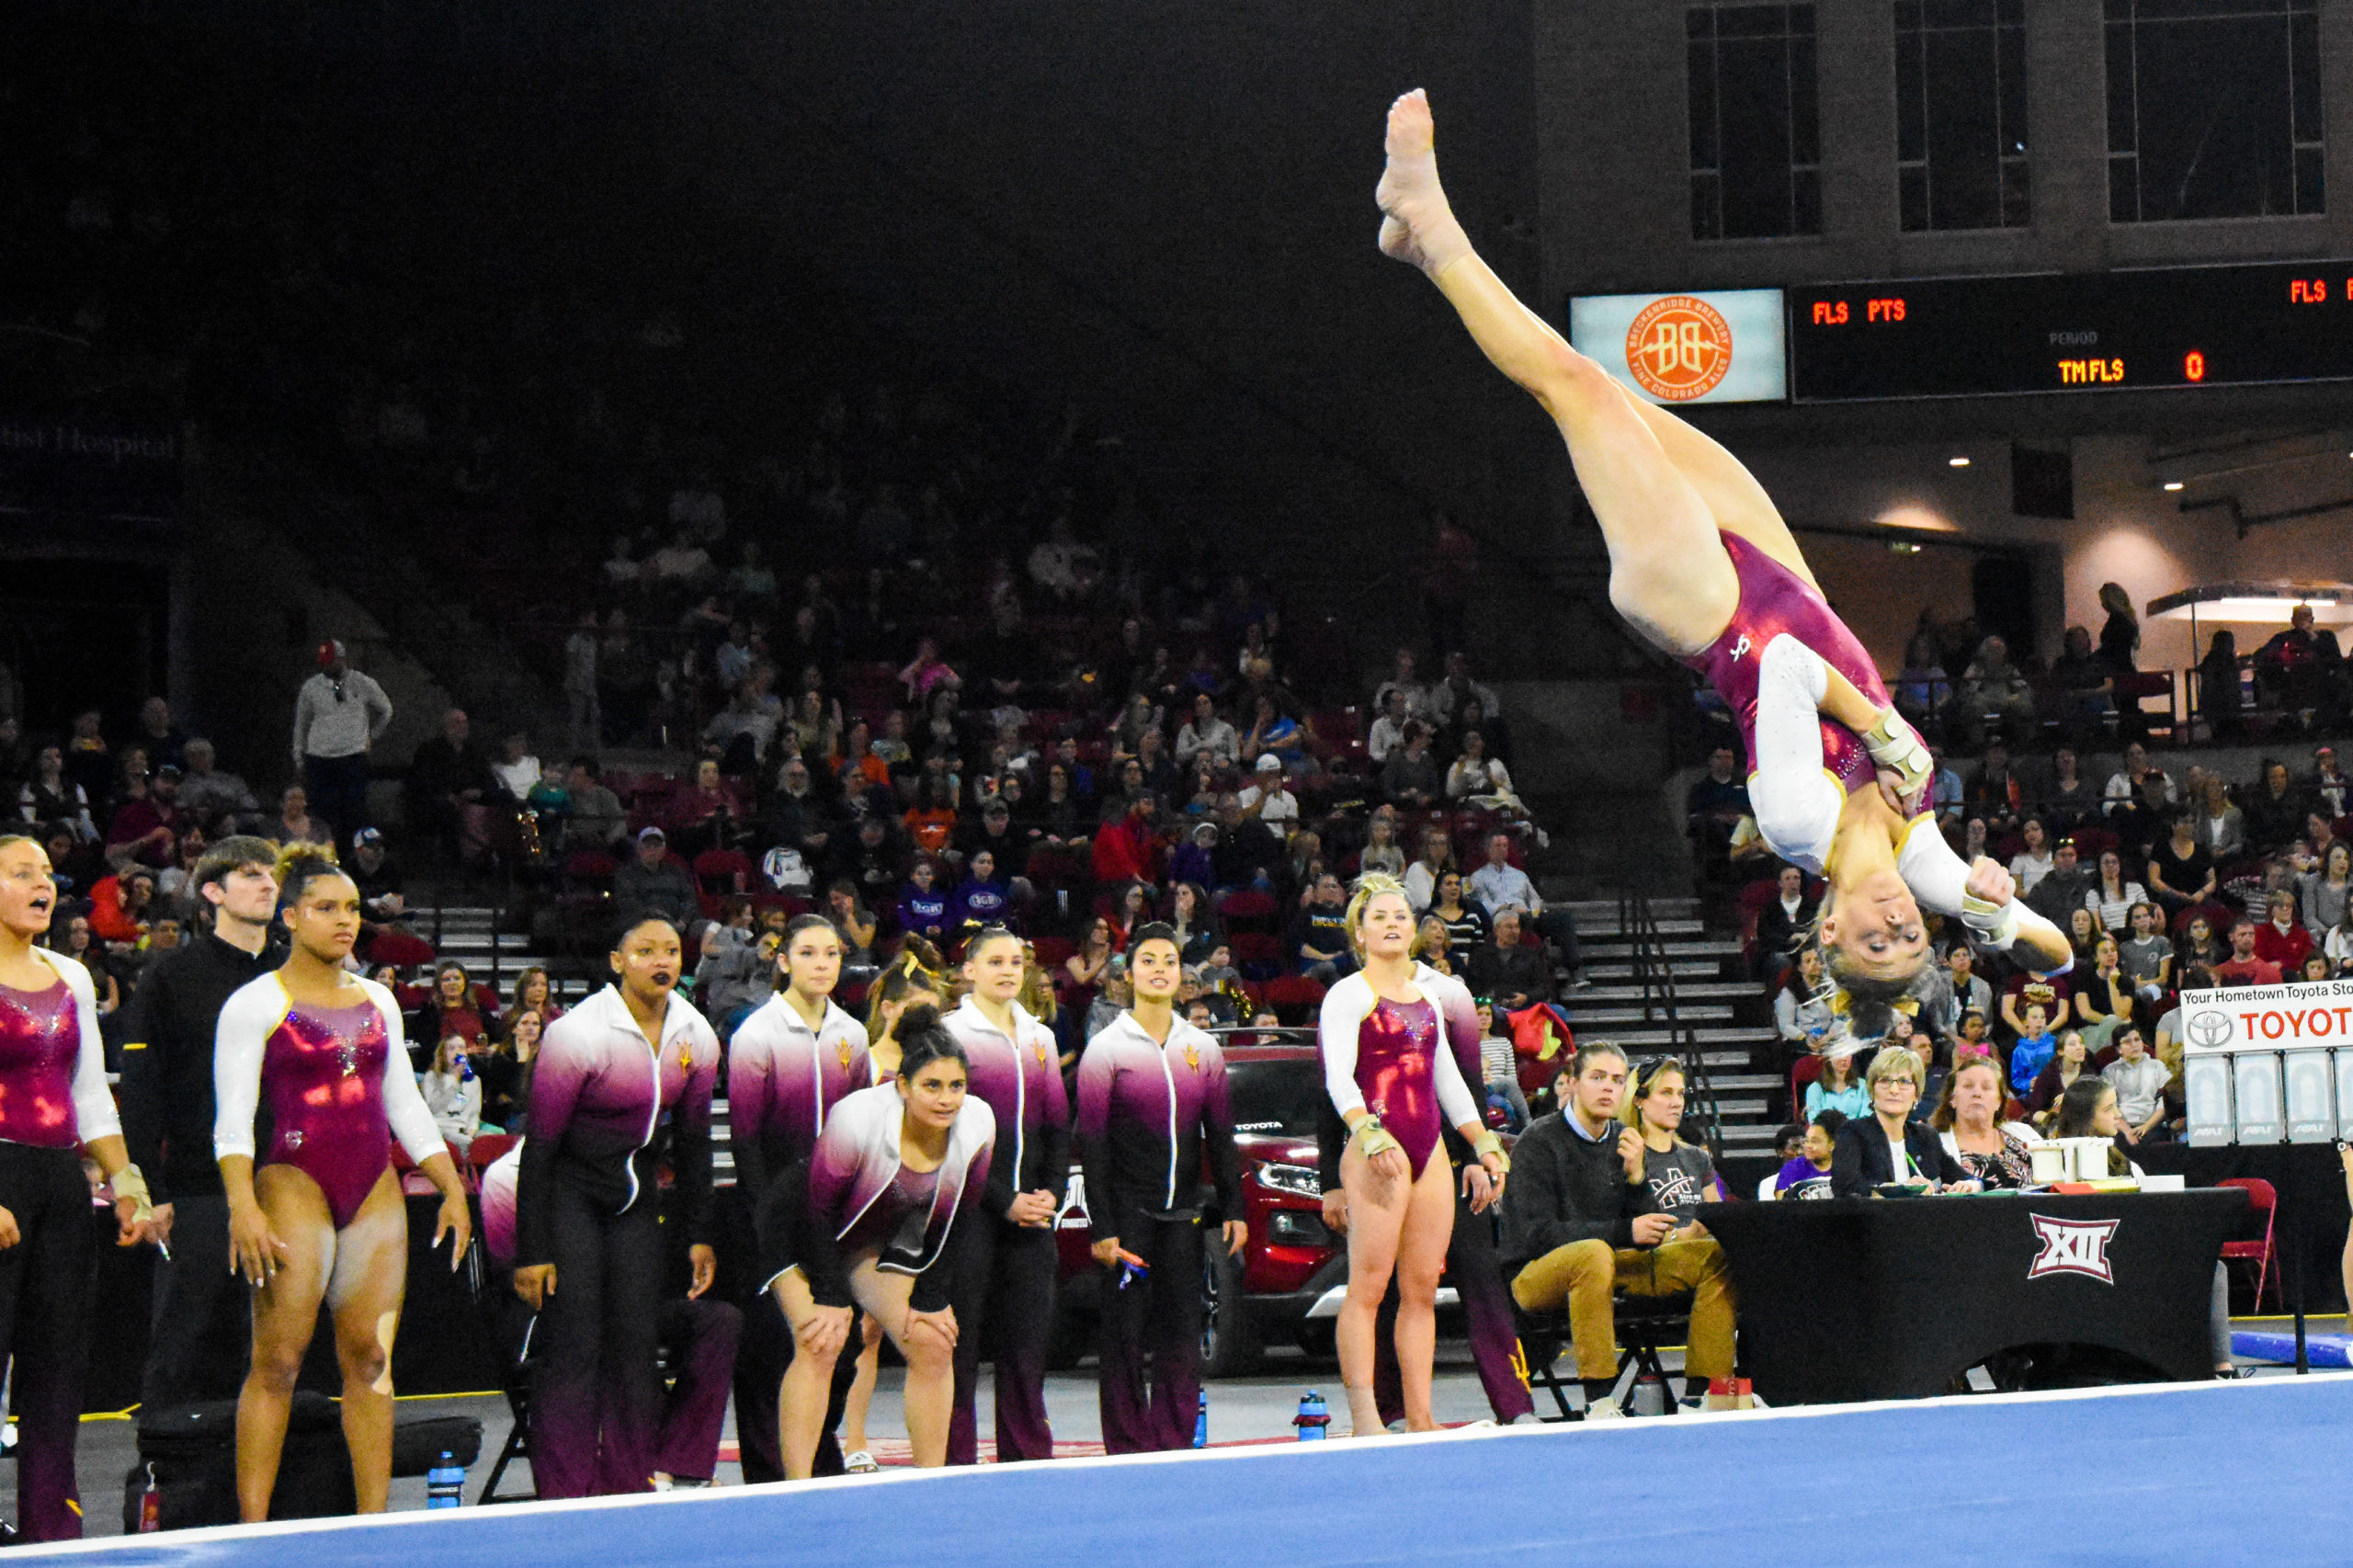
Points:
point(1655, 972)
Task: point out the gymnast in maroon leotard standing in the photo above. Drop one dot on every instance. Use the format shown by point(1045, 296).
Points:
point(319, 1218)
point(1394, 1079)
point(53, 1104)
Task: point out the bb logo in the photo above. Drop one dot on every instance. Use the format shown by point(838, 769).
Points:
point(2206, 1030)
point(2073, 1246)
point(1742, 646)
point(1678, 348)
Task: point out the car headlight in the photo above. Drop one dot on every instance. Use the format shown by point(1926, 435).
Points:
point(1302, 1180)
point(1296, 1227)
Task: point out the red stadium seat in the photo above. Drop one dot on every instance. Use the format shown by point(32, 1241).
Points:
point(719, 872)
point(2091, 843)
point(487, 1148)
point(403, 949)
point(1259, 950)
point(2219, 916)
point(588, 868)
point(1804, 1070)
point(1246, 909)
point(1289, 990)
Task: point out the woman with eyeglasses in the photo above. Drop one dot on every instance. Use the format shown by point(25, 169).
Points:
point(1886, 1146)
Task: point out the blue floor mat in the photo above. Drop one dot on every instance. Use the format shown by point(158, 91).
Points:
point(2320, 1349)
point(2250, 1472)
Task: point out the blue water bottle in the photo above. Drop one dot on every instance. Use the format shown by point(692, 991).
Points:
point(1313, 1418)
point(1202, 1424)
point(444, 1483)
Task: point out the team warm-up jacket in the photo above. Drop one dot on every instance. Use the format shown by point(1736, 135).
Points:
point(1145, 1108)
point(606, 1105)
point(782, 1079)
point(858, 1188)
point(1021, 1079)
point(167, 1062)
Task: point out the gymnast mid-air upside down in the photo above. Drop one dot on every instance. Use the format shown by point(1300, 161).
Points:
point(1702, 566)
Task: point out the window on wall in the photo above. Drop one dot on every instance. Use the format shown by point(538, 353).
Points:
point(2213, 108)
point(1755, 140)
point(1960, 113)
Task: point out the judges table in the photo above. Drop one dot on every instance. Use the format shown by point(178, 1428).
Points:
point(1860, 1298)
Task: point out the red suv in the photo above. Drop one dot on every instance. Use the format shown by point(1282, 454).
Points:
point(1292, 1261)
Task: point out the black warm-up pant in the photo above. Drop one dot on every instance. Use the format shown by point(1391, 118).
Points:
point(1004, 1297)
point(597, 1405)
point(1158, 1319)
point(201, 1339)
point(45, 1284)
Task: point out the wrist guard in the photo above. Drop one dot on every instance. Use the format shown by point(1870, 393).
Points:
point(1896, 745)
point(1996, 924)
point(131, 1183)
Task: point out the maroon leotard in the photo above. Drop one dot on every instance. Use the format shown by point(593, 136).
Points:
point(40, 1044)
point(322, 1074)
point(1396, 1049)
point(1774, 601)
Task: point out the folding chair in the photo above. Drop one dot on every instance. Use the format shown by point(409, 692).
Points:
point(2261, 1199)
point(1646, 1325)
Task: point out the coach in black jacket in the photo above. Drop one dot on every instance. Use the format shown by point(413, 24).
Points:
point(201, 1341)
point(1866, 1153)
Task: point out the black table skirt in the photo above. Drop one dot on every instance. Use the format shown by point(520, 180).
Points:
point(1870, 1298)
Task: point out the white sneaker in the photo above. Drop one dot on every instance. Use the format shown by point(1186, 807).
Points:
point(1604, 1410)
point(861, 1463)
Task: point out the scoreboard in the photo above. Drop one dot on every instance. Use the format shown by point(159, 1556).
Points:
point(2238, 325)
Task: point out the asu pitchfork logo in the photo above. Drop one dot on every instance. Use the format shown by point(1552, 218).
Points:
point(2073, 1246)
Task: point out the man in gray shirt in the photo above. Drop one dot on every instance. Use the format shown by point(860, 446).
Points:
point(2139, 1079)
point(338, 714)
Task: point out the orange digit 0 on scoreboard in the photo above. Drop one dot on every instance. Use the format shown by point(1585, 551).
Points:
point(2193, 366)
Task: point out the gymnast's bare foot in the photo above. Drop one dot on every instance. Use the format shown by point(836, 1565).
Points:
point(1417, 225)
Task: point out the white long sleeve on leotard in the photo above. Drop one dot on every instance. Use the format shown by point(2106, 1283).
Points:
point(94, 1112)
point(1346, 1007)
point(1797, 802)
point(1939, 878)
point(240, 1039)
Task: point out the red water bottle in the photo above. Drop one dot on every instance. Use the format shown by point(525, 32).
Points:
point(150, 1506)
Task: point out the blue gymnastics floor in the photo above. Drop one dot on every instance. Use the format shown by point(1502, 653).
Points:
point(2253, 1473)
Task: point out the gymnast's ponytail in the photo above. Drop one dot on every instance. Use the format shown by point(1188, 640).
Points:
point(298, 865)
